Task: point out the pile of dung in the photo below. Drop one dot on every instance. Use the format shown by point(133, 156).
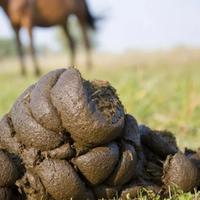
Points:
point(69, 138)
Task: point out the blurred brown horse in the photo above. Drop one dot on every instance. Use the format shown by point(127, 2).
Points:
point(46, 13)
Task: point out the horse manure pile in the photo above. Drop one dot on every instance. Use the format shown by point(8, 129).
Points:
point(68, 138)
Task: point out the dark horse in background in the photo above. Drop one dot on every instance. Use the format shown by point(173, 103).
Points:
point(46, 13)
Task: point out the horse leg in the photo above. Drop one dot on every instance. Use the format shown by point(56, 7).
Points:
point(87, 43)
point(32, 50)
point(71, 43)
point(20, 51)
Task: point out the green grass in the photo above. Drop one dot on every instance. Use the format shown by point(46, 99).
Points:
point(161, 89)
point(174, 194)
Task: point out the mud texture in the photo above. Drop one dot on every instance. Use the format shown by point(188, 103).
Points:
point(175, 167)
point(69, 138)
point(5, 193)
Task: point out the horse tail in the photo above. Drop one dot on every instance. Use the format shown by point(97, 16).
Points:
point(91, 19)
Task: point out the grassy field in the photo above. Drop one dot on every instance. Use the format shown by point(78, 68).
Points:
point(161, 89)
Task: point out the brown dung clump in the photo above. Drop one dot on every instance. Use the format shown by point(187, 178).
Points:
point(69, 138)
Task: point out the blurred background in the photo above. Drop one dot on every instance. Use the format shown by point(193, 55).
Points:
point(149, 51)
